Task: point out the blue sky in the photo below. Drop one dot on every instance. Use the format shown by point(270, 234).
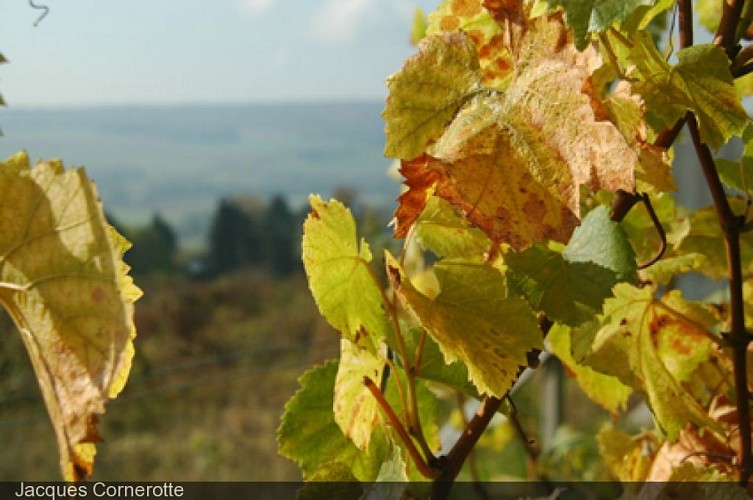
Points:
point(126, 52)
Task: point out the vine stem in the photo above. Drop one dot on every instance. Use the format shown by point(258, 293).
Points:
point(738, 338)
point(422, 466)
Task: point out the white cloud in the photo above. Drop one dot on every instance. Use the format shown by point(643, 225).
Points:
point(340, 21)
point(255, 7)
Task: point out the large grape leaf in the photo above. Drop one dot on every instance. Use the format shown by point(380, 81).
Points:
point(309, 435)
point(474, 320)
point(64, 283)
point(427, 92)
point(343, 285)
point(355, 409)
point(588, 16)
point(652, 347)
point(700, 82)
point(513, 161)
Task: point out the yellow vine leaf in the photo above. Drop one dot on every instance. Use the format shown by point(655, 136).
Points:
point(474, 319)
point(64, 283)
point(513, 161)
point(355, 409)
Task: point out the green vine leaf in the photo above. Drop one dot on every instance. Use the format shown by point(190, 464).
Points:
point(700, 82)
point(309, 435)
point(602, 241)
point(652, 346)
point(570, 287)
point(474, 320)
point(567, 292)
point(591, 16)
point(739, 174)
point(64, 283)
point(344, 287)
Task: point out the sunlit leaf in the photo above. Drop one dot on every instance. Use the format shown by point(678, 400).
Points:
point(64, 283)
point(700, 82)
point(342, 284)
point(440, 229)
point(474, 320)
point(652, 346)
point(427, 92)
point(356, 411)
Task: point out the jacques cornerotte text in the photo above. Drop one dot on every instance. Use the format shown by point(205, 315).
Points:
point(98, 490)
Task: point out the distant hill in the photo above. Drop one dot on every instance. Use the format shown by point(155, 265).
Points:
point(181, 160)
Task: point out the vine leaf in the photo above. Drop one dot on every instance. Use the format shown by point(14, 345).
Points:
point(700, 82)
point(602, 241)
point(309, 435)
point(513, 161)
point(590, 16)
point(339, 277)
point(605, 390)
point(355, 409)
point(567, 292)
point(428, 91)
point(739, 174)
point(446, 233)
point(64, 283)
point(473, 319)
point(652, 346)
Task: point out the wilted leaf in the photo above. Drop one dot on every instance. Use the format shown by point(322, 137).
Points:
point(64, 283)
point(700, 82)
point(652, 346)
point(474, 320)
point(341, 282)
point(590, 16)
point(513, 162)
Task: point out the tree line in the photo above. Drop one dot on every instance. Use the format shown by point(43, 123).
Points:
point(244, 233)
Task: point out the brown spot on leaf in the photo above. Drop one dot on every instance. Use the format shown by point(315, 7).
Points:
point(98, 295)
point(449, 23)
